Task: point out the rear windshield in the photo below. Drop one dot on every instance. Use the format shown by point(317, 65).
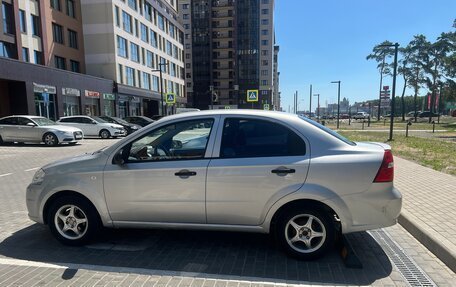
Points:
point(328, 130)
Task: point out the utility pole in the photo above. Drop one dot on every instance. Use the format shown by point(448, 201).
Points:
point(297, 107)
point(163, 107)
point(318, 106)
point(310, 103)
point(338, 101)
point(393, 100)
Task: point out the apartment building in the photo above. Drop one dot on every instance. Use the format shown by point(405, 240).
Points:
point(229, 49)
point(42, 60)
point(129, 41)
point(275, 80)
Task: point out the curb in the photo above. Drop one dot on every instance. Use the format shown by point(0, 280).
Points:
point(434, 242)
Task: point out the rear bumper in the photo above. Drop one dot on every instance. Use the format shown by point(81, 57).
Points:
point(376, 208)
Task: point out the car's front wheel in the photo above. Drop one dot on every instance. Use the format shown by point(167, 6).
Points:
point(305, 232)
point(73, 220)
point(105, 134)
point(50, 139)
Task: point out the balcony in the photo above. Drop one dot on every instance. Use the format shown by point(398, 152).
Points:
point(222, 3)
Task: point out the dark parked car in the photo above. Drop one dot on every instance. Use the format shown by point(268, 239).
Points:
point(139, 120)
point(130, 128)
point(427, 114)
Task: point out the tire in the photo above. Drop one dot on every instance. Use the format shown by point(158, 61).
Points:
point(82, 226)
point(105, 134)
point(1, 141)
point(50, 139)
point(304, 240)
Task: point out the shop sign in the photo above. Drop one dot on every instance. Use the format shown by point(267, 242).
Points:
point(92, 94)
point(39, 88)
point(135, 100)
point(109, 97)
point(71, 92)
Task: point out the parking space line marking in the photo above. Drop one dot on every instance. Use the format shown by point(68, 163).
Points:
point(6, 174)
point(30, 169)
point(149, 272)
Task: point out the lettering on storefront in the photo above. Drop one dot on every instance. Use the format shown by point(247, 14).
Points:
point(92, 94)
point(71, 92)
point(40, 88)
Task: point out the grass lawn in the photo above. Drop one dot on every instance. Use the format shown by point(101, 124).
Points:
point(434, 153)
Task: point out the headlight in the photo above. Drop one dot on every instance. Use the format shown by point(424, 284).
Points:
point(38, 177)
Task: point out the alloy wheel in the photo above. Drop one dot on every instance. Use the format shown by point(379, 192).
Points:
point(305, 233)
point(71, 222)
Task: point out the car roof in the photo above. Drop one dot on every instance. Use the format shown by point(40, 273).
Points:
point(24, 116)
point(235, 112)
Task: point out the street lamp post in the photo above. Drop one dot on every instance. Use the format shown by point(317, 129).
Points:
point(318, 106)
point(338, 101)
point(310, 103)
point(396, 48)
point(161, 86)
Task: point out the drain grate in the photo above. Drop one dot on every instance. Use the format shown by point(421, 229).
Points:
point(412, 273)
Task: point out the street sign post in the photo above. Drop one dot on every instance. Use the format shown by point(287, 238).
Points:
point(266, 107)
point(170, 98)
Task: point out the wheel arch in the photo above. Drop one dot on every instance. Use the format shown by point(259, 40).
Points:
point(63, 193)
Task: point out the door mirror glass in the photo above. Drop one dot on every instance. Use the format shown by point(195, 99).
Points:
point(31, 124)
point(118, 159)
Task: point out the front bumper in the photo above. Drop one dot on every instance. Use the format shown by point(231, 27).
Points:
point(33, 203)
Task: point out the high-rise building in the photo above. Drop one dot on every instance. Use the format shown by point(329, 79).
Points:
point(129, 41)
point(43, 32)
point(229, 49)
point(276, 77)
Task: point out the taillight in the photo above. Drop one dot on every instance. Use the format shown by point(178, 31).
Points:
point(386, 170)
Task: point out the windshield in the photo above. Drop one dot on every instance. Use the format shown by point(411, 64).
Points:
point(43, 122)
point(98, 119)
point(328, 130)
point(120, 121)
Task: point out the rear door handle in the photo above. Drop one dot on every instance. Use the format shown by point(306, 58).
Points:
point(283, 170)
point(185, 173)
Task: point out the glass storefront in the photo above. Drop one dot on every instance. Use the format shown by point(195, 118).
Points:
point(109, 105)
point(92, 103)
point(129, 106)
point(45, 101)
point(71, 102)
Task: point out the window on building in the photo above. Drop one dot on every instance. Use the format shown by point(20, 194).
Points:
point(172, 32)
point(25, 55)
point(133, 5)
point(130, 76)
point(264, 32)
point(73, 39)
point(169, 48)
point(75, 66)
point(264, 1)
point(173, 70)
point(185, 16)
point(146, 81)
point(264, 52)
point(264, 42)
point(153, 38)
point(155, 82)
point(185, 6)
point(160, 22)
point(126, 22)
point(55, 4)
point(116, 15)
point(264, 22)
point(8, 18)
point(122, 47)
point(148, 11)
point(7, 50)
point(70, 8)
point(36, 31)
point(60, 62)
point(134, 52)
point(144, 33)
point(264, 82)
point(264, 72)
point(38, 57)
point(265, 11)
point(22, 21)
point(57, 33)
point(149, 59)
point(120, 74)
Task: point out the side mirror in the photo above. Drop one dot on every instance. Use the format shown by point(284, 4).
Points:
point(31, 125)
point(118, 159)
point(94, 122)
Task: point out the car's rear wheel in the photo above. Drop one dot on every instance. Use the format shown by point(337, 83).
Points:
point(1, 141)
point(305, 232)
point(73, 220)
point(50, 139)
point(105, 134)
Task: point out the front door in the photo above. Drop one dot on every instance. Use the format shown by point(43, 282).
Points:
point(259, 162)
point(163, 178)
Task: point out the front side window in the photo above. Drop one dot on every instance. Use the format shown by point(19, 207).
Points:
point(243, 138)
point(179, 141)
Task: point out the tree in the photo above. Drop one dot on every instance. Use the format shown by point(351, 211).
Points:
point(380, 54)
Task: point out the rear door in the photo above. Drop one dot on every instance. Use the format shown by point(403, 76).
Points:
point(8, 129)
point(256, 162)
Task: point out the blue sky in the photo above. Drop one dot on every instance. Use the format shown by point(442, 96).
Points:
point(328, 40)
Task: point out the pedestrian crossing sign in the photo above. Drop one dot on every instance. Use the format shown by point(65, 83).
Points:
point(170, 98)
point(252, 96)
point(266, 107)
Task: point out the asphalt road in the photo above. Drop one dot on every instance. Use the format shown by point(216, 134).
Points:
point(30, 256)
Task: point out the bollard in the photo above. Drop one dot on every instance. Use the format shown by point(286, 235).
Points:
point(407, 128)
point(433, 126)
point(323, 122)
point(349, 120)
point(363, 124)
point(384, 122)
point(368, 121)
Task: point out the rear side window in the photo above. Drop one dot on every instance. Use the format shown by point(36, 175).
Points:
point(23, 121)
point(68, 120)
point(9, 121)
point(258, 138)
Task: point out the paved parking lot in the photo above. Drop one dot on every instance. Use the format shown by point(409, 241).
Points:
point(29, 256)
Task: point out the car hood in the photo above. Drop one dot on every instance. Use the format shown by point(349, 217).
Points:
point(111, 125)
point(75, 163)
point(63, 128)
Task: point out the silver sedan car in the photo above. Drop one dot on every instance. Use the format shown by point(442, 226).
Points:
point(34, 129)
point(233, 170)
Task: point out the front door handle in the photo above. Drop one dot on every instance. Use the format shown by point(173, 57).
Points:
point(185, 173)
point(283, 170)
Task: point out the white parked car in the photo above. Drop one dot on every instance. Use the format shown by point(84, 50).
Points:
point(35, 129)
point(361, 116)
point(94, 126)
point(235, 170)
